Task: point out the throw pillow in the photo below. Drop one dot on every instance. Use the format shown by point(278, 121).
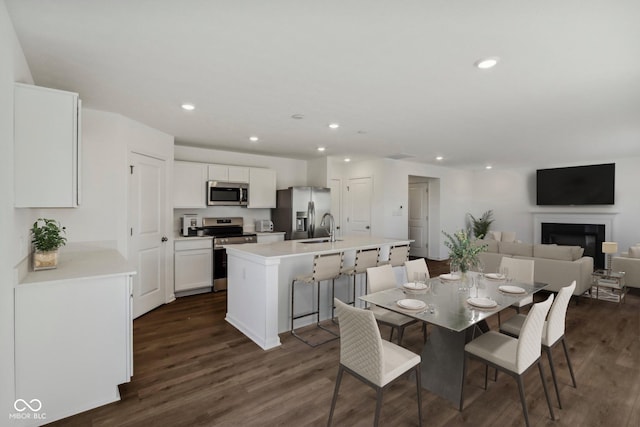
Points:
point(577, 252)
point(634, 252)
point(495, 235)
point(508, 236)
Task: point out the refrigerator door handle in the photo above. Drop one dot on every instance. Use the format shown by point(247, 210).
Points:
point(311, 214)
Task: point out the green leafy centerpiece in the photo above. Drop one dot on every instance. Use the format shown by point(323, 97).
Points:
point(46, 237)
point(463, 252)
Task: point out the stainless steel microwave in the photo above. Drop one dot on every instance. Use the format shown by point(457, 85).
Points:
point(227, 193)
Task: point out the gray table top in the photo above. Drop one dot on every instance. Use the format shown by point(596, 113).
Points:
point(447, 302)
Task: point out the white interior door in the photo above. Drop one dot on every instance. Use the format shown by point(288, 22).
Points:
point(147, 235)
point(336, 204)
point(359, 206)
point(419, 219)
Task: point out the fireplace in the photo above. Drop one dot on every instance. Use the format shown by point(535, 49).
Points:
point(589, 236)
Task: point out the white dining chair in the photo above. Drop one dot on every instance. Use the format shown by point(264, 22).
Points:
point(552, 332)
point(325, 267)
point(514, 356)
point(418, 265)
point(382, 278)
point(366, 356)
point(520, 270)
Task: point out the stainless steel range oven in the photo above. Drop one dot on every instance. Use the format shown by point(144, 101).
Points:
point(225, 231)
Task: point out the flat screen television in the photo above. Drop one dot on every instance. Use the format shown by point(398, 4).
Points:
point(576, 185)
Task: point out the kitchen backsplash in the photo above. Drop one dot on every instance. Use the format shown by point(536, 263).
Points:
point(249, 215)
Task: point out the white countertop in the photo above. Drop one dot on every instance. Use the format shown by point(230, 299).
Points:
point(82, 264)
point(289, 248)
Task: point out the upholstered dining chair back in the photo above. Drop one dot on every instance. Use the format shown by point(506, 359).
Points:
point(381, 278)
point(416, 266)
point(520, 270)
point(326, 267)
point(360, 342)
point(528, 350)
point(557, 315)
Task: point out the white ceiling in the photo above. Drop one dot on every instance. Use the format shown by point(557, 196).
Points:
point(397, 75)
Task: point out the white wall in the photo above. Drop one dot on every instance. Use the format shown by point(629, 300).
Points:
point(511, 195)
point(13, 68)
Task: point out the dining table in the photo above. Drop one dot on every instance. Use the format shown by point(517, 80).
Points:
point(456, 307)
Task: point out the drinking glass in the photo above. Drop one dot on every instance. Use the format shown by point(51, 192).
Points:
point(505, 272)
point(420, 277)
point(454, 268)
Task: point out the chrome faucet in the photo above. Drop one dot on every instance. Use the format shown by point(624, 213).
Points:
point(332, 226)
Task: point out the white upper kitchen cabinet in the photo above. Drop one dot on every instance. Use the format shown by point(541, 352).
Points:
point(262, 188)
point(227, 173)
point(189, 185)
point(46, 147)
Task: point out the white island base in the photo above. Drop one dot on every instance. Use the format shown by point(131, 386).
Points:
point(259, 279)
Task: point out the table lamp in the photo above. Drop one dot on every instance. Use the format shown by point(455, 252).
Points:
point(609, 248)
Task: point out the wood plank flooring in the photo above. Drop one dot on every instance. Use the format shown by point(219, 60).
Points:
point(191, 368)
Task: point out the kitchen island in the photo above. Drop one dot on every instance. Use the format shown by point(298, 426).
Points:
point(259, 277)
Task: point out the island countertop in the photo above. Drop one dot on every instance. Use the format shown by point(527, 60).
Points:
point(292, 248)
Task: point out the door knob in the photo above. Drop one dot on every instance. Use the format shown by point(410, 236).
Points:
point(164, 239)
point(367, 227)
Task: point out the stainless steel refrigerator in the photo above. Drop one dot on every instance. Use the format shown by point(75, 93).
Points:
point(299, 212)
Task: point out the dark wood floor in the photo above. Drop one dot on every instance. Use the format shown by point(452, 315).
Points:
point(194, 369)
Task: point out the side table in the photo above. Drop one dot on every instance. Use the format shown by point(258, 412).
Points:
point(612, 280)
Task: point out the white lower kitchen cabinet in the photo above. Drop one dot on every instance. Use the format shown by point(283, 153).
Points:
point(193, 264)
point(73, 343)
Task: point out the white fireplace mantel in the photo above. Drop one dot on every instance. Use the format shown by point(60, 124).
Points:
point(606, 219)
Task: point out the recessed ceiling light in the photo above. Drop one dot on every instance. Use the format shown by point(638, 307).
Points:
point(346, 159)
point(488, 167)
point(439, 158)
point(297, 116)
point(486, 63)
point(321, 148)
point(188, 107)
point(334, 125)
point(253, 138)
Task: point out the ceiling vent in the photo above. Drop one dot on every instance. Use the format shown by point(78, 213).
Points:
point(399, 156)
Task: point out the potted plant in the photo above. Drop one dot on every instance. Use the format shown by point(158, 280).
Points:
point(462, 251)
point(481, 225)
point(46, 237)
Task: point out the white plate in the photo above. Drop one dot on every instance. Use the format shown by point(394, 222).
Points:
point(415, 286)
point(411, 304)
point(494, 276)
point(482, 302)
point(450, 277)
point(512, 289)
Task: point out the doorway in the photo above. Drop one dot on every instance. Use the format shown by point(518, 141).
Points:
point(424, 217)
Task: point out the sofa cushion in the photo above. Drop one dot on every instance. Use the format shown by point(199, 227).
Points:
point(562, 253)
point(489, 244)
point(576, 252)
point(508, 236)
point(634, 252)
point(519, 249)
point(495, 235)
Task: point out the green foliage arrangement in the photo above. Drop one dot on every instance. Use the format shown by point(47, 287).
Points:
point(462, 251)
point(47, 235)
point(481, 225)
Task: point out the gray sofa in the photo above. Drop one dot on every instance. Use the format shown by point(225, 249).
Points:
point(553, 264)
